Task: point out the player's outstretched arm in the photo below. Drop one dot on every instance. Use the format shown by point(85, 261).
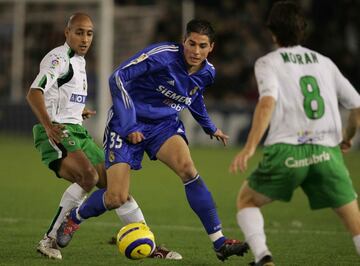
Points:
point(260, 123)
point(352, 125)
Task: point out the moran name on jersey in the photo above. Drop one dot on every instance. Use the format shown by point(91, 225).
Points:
point(300, 58)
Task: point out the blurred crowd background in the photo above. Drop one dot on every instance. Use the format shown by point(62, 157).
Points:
point(333, 29)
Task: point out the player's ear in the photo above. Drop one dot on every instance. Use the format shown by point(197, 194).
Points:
point(66, 31)
point(211, 46)
point(274, 39)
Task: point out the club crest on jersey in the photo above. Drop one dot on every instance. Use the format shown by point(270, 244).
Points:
point(55, 62)
point(194, 90)
point(111, 156)
point(77, 98)
point(71, 142)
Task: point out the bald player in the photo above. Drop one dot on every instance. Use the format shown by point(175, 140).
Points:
point(57, 97)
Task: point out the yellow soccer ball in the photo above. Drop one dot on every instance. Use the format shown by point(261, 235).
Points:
point(135, 241)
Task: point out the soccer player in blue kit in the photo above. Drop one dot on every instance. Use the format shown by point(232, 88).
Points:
point(148, 92)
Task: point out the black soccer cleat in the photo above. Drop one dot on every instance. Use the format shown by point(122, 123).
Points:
point(231, 247)
point(66, 231)
point(265, 261)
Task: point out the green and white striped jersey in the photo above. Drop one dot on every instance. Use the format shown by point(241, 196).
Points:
point(62, 78)
point(307, 87)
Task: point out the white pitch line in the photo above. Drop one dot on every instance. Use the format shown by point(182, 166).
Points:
point(9, 220)
point(174, 227)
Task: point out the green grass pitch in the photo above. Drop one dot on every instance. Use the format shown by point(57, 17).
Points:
point(30, 194)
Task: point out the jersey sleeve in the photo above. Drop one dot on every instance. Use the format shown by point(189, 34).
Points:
point(141, 64)
point(200, 114)
point(347, 95)
point(147, 61)
point(266, 79)
point(52, 67)
point(123, 108)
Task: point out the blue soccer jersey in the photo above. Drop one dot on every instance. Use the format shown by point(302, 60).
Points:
point(155, 85)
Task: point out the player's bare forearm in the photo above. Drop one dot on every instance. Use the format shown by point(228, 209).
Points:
point(36, 101)
point(35, 98)
point(261, 121)
point(352, 126)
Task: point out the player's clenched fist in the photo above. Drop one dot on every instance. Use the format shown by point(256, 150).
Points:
point(135, 137)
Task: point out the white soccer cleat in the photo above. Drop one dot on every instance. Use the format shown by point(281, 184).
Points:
point(173, 255)
point(161, 252)
point(48, 247)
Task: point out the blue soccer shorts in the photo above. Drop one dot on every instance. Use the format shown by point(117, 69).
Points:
point(119, 150)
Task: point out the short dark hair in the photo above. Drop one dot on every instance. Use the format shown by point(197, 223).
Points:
point(287, 23)
point(202, 27)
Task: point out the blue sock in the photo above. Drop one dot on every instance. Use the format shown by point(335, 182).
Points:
point(202, 203)
point(92, 207)
point(218, 243)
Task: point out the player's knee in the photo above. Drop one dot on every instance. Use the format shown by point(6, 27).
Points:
point(245, 200)
point(88, 179)
point(115, 200)
point(251, 199)
point(186, 170)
